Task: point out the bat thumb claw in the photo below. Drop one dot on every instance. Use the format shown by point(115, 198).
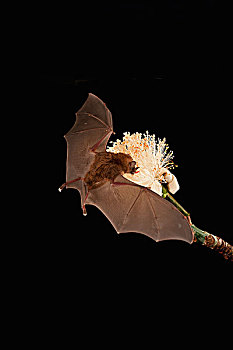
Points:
point(61, 187)
point(84, 211)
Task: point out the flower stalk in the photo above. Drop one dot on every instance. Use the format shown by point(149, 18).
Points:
point(200, 236)
point(167, 195)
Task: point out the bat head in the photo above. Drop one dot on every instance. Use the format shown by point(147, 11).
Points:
point(127, 163)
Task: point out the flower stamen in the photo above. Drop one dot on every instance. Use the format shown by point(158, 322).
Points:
point(151, 156)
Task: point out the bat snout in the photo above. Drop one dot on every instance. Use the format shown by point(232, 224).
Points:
point(134, 171)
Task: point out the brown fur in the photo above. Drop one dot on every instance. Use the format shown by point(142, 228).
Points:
point(107, 166)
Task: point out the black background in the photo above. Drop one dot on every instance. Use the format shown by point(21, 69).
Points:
point(160, 67)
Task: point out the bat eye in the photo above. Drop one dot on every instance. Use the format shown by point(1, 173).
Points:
point(132, 164)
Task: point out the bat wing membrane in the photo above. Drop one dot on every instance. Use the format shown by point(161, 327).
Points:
point(133, 208)
point(89, 134)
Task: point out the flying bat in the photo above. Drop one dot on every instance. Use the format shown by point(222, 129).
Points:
point(98, 176)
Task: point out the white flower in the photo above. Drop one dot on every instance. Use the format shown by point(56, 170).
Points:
point(151, 156)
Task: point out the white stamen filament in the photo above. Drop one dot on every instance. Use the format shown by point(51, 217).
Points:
point(151, 156)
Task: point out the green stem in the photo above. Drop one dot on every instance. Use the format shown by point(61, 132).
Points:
point(201, 236)
point(173, 201)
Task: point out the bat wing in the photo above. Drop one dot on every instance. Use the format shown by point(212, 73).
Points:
point(89, 134)
point(133, 208)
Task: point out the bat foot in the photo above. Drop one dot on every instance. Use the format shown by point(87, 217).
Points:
point(60, 189)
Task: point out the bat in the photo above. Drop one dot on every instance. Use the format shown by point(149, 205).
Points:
point(98, 176)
